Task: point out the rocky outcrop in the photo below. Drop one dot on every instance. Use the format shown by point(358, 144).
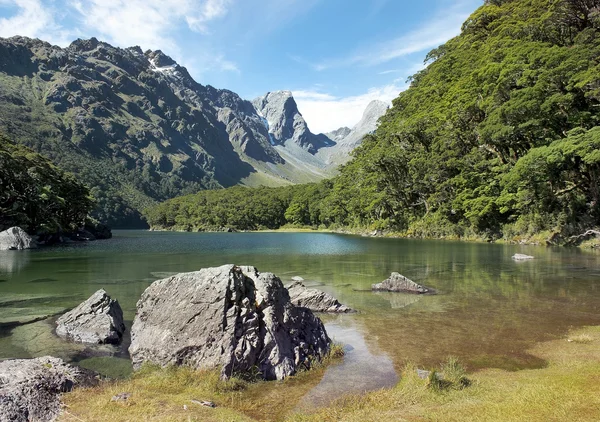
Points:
point(522, 257)
point(315, 300)
point(348, 139)
point(15, 238)
point(98, 320)
point(398, 283)
point(229, 317)
point(285, 123)
point(30, 389)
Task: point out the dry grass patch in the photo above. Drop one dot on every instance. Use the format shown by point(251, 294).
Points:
point(566, 390)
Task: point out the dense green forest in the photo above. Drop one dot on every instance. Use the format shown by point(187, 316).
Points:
point(497, 136)
point(36, 195)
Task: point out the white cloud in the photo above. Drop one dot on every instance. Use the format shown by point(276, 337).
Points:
point(437, 31)
point(33, 19)
point(150, 23)
point(324, 112)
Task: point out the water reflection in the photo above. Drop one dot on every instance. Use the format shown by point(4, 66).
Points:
point(363, 368)
point(13, 261)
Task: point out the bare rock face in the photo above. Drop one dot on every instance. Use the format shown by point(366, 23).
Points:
point(30, 388)
point(98, 320)
point(15, 238)
point(315, 300)
point(398, 283)
point(228, 317)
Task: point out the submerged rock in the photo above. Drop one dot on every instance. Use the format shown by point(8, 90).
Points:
point(521, 257)
point(15, 238)
point(229, 317)
point(98, 320)
point(315, 300)
point(30, 388)
point(398, 283)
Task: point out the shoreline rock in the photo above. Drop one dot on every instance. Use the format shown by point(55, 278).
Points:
point(398, 283)
point(15, 238)
point(315, 300)
point(229, 317)
point(98, 320)
point(30, 389)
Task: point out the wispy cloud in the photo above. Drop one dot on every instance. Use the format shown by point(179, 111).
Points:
point(33, 19)
point(441, 28)
point(325, 112)
point(149, 23)
point(387, 72)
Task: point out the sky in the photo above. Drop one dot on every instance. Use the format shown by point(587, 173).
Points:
point(334, 55)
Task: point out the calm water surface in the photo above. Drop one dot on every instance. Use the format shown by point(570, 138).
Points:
point(489, 309)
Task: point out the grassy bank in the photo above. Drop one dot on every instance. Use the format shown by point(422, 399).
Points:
point(566, 389)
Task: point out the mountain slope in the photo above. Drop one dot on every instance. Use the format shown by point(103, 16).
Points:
point(348, 139)
point(137, 128)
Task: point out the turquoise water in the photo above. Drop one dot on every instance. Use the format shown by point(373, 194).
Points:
point(488, 312)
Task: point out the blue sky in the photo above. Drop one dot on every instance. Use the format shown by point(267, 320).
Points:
point(334, 55)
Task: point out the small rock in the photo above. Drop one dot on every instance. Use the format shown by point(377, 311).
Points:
point(204, 403)
point(121, 397)
point(30, 389)
point(98, 320)
point(297, 278)
point(15, 238)
point(398, 283)
point(315, 300)
point(521, 257)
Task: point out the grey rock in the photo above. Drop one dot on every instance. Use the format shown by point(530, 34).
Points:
point(348, 139)
point(297, 278)
point(98, 320)
point(15, 238)
point(285, 123)
point(398, 283)
point(522, 257)
point(315, 300)
point(229, 317)
point(30, 389)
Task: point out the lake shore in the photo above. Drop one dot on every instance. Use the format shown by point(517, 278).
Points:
point(540, 239)
point(565, 389)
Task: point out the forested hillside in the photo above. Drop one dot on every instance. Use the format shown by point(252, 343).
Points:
point(37, 196)
point(497, 137)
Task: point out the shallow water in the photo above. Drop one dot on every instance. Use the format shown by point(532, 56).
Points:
point(489, 309)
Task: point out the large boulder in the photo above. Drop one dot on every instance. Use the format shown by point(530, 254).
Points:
point(229, 317)
point(98, 320)
point(398, 283)
point(15, 238)
point(30, 389)
point(315, 300)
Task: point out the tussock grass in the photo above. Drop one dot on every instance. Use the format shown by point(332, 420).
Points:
point(567, 389)
point(166, 394)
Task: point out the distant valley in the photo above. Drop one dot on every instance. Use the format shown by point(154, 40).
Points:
point(138, 129)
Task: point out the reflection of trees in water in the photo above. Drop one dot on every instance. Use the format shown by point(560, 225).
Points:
point(13, 261)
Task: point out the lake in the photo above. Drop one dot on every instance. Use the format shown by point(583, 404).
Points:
point(489, 310)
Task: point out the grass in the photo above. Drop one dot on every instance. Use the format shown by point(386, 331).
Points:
point(566, 389)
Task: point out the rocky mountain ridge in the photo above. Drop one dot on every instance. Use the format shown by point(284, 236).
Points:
point(137, 128)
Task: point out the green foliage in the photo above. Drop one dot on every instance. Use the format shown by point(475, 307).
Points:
point(499, 135)
point(37, 196)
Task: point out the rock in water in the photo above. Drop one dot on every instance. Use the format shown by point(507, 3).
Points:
point(15, 238)
point(315, 300)
point(229, 317)
point(521, 257)
point(30, 388)
point(98, 320)
point(398, 283)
